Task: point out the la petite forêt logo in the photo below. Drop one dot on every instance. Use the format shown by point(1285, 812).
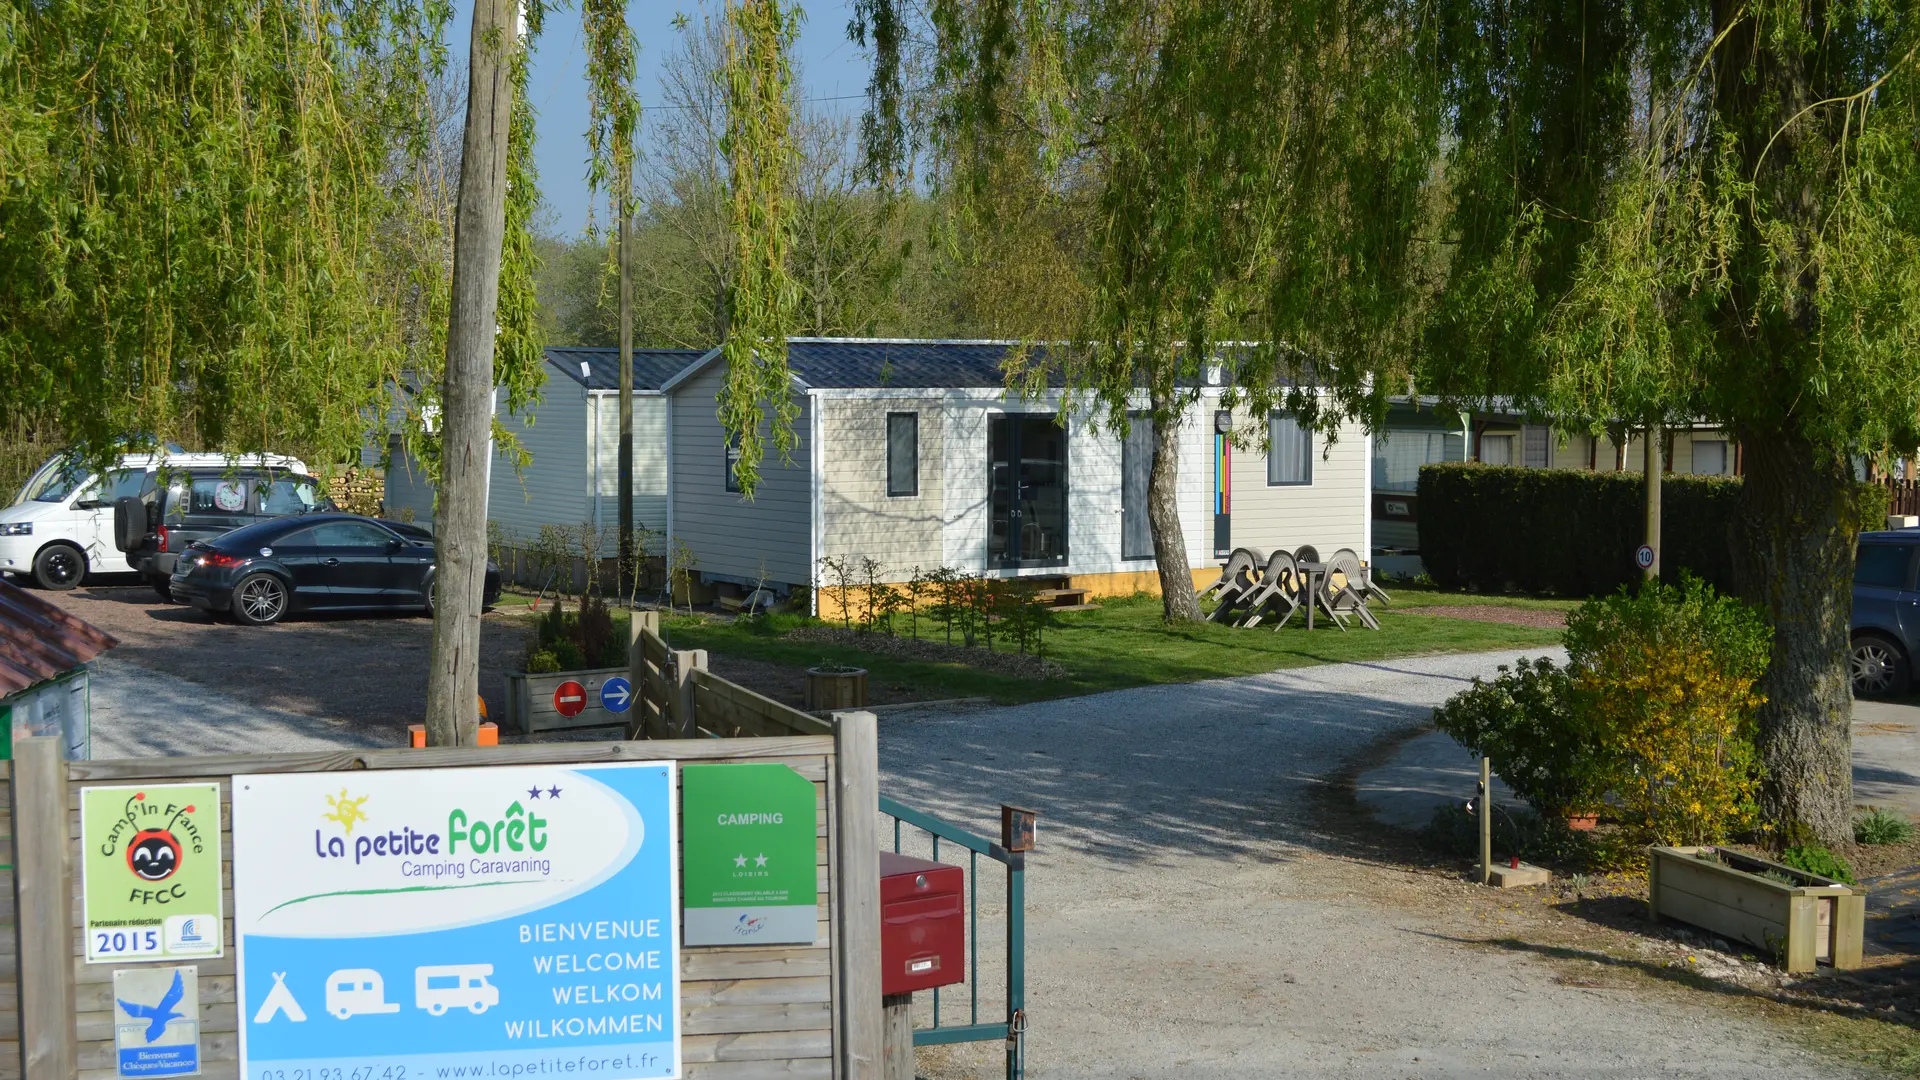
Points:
point(151, 833)
point(515, 829)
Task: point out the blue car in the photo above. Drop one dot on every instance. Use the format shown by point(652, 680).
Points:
point(1886, 614)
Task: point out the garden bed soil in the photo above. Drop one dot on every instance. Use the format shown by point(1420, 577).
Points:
point(1542, 618)
point(1017, 665)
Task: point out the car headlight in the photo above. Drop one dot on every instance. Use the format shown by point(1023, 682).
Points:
point(16, 528)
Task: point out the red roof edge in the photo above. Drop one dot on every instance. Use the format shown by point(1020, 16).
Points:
point(39, 641)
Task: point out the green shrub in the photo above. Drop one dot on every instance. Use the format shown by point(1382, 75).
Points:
point(1651, 720)
point(1878, 825)
point(1523, 720)
point(1567, 532)
point(1665, 679)
point(1815, 859)
point(541, 661)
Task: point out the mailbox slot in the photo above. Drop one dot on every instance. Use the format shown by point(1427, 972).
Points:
point(923, 933)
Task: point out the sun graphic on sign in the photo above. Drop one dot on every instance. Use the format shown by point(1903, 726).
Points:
point(346, 810)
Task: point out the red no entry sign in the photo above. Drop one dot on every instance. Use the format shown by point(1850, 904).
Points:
point(569, 698)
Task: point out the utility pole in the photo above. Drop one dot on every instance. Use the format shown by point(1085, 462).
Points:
point(1653, 500)
point(627, 568)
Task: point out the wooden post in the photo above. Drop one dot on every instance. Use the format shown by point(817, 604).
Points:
point(899, 1037)
point(1803, 919)
point(1653, 500)
point(1486, 819)
point(685, 663)
point(857, 799)
point(638, 622)
point(43, 907)
point(1849, 923)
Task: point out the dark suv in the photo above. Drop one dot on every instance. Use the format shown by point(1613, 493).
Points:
point(1886, 613)
point(200, 504)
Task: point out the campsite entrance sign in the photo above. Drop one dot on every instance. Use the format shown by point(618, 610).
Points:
point(406, 924)
point(751, 833)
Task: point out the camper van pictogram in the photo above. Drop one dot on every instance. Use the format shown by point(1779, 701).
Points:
point(437, 989)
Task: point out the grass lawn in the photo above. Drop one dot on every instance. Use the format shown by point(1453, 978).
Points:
point(1123, 644)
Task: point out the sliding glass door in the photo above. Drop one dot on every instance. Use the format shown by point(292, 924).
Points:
point(1026, 491)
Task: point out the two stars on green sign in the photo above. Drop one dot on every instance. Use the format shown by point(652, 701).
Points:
point(741, 860)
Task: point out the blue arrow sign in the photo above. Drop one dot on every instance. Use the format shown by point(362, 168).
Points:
point(616, 694)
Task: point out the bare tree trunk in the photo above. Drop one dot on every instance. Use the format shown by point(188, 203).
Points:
point(628, 571)
point(1178, 602)
point(1794, 552)
point(466, 414)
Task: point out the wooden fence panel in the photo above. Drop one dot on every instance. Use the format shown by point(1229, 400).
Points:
point(745, 1012)
point(727, 710)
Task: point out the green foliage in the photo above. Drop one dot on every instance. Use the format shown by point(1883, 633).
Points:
point(1650, 722)
point(542, 661)
point(756, 404)
point(1523, 719)
point(1879, 825)
point(195, 204)
point(589, 638)
point(1666, 679)
point(1815, 859)
point(1568, 532)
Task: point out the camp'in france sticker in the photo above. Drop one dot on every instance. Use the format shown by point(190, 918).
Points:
point(150, 872)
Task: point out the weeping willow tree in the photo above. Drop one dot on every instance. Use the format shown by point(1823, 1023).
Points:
point(1253, 174)
point(1706, 209)
point(193, 202)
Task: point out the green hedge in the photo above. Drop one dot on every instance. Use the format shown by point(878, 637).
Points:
point(1567, 532)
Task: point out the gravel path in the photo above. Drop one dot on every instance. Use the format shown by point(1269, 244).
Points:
point(1182, 923)
point(138, 712)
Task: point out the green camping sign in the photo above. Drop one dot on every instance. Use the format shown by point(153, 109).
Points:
point(150, 872)
point(749, 853)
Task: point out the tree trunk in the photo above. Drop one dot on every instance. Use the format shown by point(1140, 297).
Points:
point(1794, 552)
point(628, 570)
point(1163, 517)
point(466, 414)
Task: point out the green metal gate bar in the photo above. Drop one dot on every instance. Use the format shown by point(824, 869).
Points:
point(1013, 1029)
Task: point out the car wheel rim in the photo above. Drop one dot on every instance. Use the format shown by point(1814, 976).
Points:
point(262, 599)
point(62, 567)
point(1872, 668)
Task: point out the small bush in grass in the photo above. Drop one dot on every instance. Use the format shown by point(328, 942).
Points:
point(542, 661)
point(1815, 859)
point(1523, 720)
point(1878, 825)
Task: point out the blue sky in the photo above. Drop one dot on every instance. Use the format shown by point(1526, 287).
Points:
point(830, 67)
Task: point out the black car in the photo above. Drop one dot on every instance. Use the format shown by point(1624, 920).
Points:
point(315, 562)
point(202, 503)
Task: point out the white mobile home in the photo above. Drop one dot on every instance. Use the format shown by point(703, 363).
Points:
point(913, 453)
point(573, 437)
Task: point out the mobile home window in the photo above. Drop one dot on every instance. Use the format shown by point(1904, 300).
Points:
point(1136, 466)
point(1289, 451)
point(903, 454)
point(1539, 451)
point(733, 462)
point(1710, 457)
point(1496, 449)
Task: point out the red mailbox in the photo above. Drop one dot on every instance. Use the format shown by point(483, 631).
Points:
point(923, 928)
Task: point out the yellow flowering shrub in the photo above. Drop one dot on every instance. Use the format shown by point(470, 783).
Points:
point(1665, 678)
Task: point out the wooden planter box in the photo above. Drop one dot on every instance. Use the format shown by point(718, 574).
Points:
point(1815, 919)
point(531, 704)
point(828, 690)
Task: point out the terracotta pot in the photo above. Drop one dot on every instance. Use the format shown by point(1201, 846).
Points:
point(1582, 822)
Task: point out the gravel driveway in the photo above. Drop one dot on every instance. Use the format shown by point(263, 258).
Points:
point(1183, 921)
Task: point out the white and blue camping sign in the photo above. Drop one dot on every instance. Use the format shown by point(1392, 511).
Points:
point(504, 921)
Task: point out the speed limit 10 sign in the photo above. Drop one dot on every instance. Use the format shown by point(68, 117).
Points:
point(1643, 558)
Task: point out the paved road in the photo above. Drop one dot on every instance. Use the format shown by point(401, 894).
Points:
point(1183, 923)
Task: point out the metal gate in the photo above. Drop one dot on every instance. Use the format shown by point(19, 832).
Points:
point(1013, 1028)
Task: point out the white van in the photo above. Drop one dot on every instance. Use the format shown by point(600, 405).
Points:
point(60, 526)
